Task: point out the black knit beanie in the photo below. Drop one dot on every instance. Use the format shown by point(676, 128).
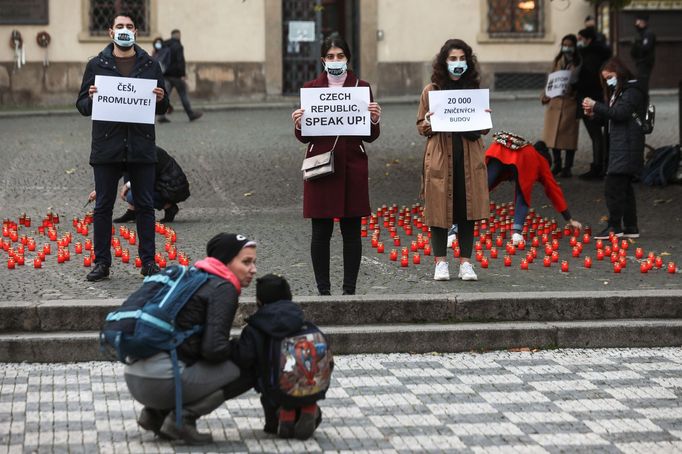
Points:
point(272, 288)
point(226, 246)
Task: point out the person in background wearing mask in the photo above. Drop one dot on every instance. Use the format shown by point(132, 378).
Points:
point(161, 53)
point(345, 193)
point(592, 55)
point(561, 121)
point(624, 97)
point(643, 52)
point(454, 178)
point(176, 76)
point(122, 147)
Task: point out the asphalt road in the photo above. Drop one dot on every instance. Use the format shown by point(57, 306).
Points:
point(244, 170)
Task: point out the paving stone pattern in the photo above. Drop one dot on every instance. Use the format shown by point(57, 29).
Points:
point(610, 400)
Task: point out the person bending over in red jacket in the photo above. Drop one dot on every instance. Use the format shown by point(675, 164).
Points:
point(511, 157)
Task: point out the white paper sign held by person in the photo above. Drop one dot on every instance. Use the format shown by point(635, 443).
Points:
point(124, 99)
point(460, 110)
point(558, 83)
point(337, 111)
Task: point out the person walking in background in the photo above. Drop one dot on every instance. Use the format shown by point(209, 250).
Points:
point(454, 177)
point(625, 101)
point(513, 158)
point(345, 193)
point(176, 76)
point(643, 52)
point(122, 147)
point(593, 55)
point(561, 121)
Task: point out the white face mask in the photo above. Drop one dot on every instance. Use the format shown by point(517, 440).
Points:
point(124, 37)
point(457, 68)
point(158, 45)
point(336, 68)
point(612, 82)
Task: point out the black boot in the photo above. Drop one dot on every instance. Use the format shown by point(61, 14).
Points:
point(128, 216)
point(190, 413)
point(556, 161)
point(100, 272)
point(152, 419)
point(566, 171)
point(593, 174)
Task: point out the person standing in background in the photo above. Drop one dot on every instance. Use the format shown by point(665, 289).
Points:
point(643, 52)
point(176, 76)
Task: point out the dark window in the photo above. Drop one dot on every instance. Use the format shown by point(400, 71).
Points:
point(102, 12)
point(515, 18)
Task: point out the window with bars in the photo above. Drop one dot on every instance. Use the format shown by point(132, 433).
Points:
point(102, 12)
point(515, 19)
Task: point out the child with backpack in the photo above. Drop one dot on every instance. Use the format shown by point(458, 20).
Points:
point(289, 357)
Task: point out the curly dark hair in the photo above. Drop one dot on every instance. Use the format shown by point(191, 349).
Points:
point(441, 76)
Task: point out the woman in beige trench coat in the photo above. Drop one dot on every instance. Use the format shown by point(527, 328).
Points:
point(454, 177)
point(561, 120)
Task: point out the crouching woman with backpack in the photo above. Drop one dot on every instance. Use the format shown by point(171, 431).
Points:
point(208, 376)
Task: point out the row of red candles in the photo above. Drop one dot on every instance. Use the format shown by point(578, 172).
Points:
point(532, 228)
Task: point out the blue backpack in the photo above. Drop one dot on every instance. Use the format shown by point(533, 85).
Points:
point(300, 367)
point(662, 167)
point(144, 325)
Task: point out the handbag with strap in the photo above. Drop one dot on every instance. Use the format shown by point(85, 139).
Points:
point(320, 165)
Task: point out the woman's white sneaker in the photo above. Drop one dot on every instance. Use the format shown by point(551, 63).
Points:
point(442, 272)
point(516, 238)
point(466, 272)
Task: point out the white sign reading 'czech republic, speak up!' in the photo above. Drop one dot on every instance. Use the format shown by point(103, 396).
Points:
point(124, 99)
point(459, 110)
point(557, 83)
point(337, 111)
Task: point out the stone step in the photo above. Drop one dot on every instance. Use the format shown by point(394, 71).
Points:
point(63, 346)
point(87, 315)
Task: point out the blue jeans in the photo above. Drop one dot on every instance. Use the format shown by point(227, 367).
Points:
point(495, 168)
point(159, 203)
point(106, 184)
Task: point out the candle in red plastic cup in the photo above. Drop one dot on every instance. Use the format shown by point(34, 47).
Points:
point(672, 269)
point(87, 261)
point(416, 259)
point(555, 256)
point(588, 262)
point(658, 262)
point(493, 252)
point(524, 264)
point(547, 261)
point(507, 260)
point(639, 253)
point(600, 254)
point(138, 262)
point(404, 262)
point(11, 263)
point(616, 267)
point(643, 268)
point(380, 248)
point(37, 263)
point(484, 262)
point(427, 249)
point(573, 241)
point(393, 255)
point(564, 266)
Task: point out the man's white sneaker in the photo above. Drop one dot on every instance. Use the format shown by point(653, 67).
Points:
point(466, 272)
point(516, 238)
point(442, 272)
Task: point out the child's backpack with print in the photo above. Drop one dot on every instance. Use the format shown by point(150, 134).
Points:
point(300, 367)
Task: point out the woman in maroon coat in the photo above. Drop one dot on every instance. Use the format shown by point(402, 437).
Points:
point(345, 193)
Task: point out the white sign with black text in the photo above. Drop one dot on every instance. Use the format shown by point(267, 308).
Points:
point(557, 83)
point(337, 111)
point(124, 99)
point(460, 110)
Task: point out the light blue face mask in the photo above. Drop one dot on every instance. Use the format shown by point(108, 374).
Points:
point(336, 68)
point(612, 82)
point(457, 68)
point(124, 37)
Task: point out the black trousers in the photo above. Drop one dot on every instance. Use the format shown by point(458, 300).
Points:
point(181, 87)
point(599, 152)
point(106, 184)
point(352, 252)
point(465, 227)
point(620, 201)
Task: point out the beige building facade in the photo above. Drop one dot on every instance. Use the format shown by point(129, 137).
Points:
point(240, 50)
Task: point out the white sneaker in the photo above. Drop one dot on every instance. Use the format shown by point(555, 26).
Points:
point(516, 238)
point(466, 272)
point(442, 272)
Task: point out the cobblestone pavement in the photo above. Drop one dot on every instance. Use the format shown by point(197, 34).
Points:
point(611, 400)
point(244, 168)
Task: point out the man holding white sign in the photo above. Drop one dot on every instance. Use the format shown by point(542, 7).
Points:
point(453, 113)
point(122, 89)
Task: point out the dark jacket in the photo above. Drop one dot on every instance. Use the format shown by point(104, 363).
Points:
point(346, 192)
point(626, 139)
point(115, 142)
point(643, 51)
point(274, 320)
point(171, 182)
point(589, 79)
point(214, 306)
point(176, 68)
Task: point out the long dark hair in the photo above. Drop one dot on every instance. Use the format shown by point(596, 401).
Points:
point(623, 74)
point(335, 41)
point(441, 76)
point(576, 56)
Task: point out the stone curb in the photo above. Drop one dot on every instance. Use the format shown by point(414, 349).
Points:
point(443, 338)
point(292, 102)
point(87, 315)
